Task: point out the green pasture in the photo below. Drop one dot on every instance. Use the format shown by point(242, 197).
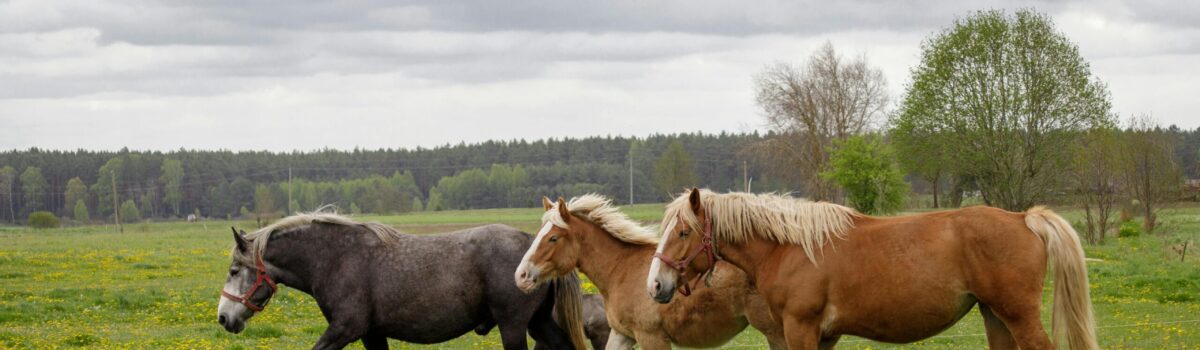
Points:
point(156, 285)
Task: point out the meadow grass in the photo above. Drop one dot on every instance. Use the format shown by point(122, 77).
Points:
point(156, 285)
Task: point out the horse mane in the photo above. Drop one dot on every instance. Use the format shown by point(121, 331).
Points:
point(259, 238)
point(600, 211)
point(780, 218)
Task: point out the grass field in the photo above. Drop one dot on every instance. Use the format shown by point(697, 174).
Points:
point(155, 286)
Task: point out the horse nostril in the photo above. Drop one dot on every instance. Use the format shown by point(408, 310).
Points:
point(524, 274)
point(657, 287)
point(221, 319)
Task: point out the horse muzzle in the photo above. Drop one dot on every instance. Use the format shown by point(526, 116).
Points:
point(662, 291)
point(527, 278)
point(232, 324)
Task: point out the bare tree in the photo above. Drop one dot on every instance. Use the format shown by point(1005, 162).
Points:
point(808, 107)
point(1097, 178)
point(1151, 174)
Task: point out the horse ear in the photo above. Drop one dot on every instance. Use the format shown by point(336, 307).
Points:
point(694, 199)
point(546, 203)
point(562, 210)
point(241, 241)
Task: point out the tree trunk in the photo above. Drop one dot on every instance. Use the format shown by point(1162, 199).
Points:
point(936, 178)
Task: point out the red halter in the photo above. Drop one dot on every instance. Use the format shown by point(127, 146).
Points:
point(260, 278)
point(706, 246)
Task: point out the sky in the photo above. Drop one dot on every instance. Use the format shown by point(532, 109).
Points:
point(296, 75)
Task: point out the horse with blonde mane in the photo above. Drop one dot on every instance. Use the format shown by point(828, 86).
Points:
point(826, 270)
point(595, 237)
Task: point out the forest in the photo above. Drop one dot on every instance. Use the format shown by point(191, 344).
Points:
point(223, 184)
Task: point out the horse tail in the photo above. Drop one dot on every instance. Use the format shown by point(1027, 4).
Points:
point(1072, 316)
point(568, 302)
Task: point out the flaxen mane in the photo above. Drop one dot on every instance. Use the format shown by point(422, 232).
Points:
point(600, 211)
point(258, 239)
point(779, 218)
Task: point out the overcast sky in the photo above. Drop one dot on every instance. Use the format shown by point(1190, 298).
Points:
point(285, 75)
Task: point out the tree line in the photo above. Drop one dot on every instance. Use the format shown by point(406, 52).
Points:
point(155, 184)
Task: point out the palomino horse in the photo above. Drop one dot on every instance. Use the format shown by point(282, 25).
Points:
point(373, 283)
point(595, 237)
point(826, 270)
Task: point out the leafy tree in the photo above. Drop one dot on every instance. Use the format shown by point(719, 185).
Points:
point(34, 185)
point(1007, 93)
point(674, 169)
point(81, 212)
point(809, 107)
point(115, 167)
point(866, 169)
point(264, 201)
point(8, 177)
point(435, 201)
point(172, 181)
point(76, 191)
point(354, 209)
point(130, 212)
point(416, 204)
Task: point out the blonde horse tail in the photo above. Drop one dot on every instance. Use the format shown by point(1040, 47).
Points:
point(1073, 323)
point(568, 304)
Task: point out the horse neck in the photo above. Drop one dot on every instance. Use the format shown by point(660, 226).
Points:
point(747, 255)
point(602, 256)
point(293, 258)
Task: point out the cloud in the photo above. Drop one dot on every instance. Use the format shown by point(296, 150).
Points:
point(429, 73)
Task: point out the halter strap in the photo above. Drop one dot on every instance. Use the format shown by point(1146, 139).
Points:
point(707, 245)
point(260, 279)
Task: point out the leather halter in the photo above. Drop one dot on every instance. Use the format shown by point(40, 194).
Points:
point(708, 246)
point(260, 278)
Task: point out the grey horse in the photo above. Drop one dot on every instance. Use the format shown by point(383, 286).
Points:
point(373, 283)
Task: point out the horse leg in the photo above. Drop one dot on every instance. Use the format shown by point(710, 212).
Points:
point(998, 336)
point(829, 343)
point(375, 342)
point(1024, 322)
point(513, 337)
point(801, 335)
point(652, 341)
point(618, 341)
point(337, 336)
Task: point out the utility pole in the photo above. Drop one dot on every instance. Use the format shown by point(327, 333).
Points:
point(289, 203)
point(116, 208)
point(631, 179)
point(745, 177)
point(12, 216)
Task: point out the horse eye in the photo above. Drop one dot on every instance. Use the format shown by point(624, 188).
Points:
point(233, 272)
point(554, 238)
point(684, 233)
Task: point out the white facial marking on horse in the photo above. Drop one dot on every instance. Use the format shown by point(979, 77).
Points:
point(656, 263)
point(537, 240)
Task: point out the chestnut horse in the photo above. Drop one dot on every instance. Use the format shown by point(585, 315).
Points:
point(591, 235)
point(826, 270)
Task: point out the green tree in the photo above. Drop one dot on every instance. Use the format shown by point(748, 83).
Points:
point(8, 177)
point(435, 200)
point(34, 185)
point(416, 204)
point(674, 169)
point(76, 191)
point(1008, 94)
point(264, 201)
point(172, 181)
point(81, 212)
point(130, 212)
point(866, 169)
point(115, 167)
point(43, 219)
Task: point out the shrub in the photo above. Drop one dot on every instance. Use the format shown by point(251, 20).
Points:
point(130, 212)
point(43, 219)
point(1129, 229)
